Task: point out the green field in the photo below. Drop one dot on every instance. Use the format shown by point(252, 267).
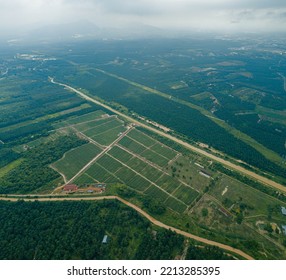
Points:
point(132, 145)
point(109, 136)
point(109, 163)
point(151, 172)
point(168, 183)
point(74, 160)
point(85, 179)
point(6, 169)
point(106, 132)
point(185, 194)
point(148, 148)
point(234, 193)
point(155, 158)
point(104, 126)
point(86, 125)
point(118, 153)
point(99, 173)
point(138, 183)
point(137, 164)
point(164, 151)
point(85, 118)
point(99, 127)
point(175, 205)
point(130, 169)
point(141, 137)
point(156, 193)
point(203, 91)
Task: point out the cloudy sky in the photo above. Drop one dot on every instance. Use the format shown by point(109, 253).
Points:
point(219, 15)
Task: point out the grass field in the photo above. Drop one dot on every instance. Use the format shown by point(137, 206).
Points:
point(6, 169)
point(137, 161)
point(136, 182)
point(175, 205)
point(187, 171)
point(84, 126)
point(164, 151)
point(101, 174)
point(84, 179)
point(152, 173)
point(233, 193)
point(87, 117)
point(120, 166)
point(40, 141)
point(74, 160)
point(109, 163)
point(155, 158)
point(156, 193)
point(142, 138)
point(48, 117)
point(148, 148)
point(185, 194)
point(105, 125)
point(109, 136)
point(97, 126)
point(274, 115)
point(137, 164)
point(118, 153)
point(168, 183)
point(132, 145)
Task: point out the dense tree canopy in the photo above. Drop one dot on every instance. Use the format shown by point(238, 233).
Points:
point(34, 172)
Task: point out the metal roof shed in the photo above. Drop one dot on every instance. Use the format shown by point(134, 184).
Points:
point(105, 239)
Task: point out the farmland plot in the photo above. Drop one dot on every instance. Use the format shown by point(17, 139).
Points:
point(142, 138)
point(156, 193)
point(175, 205)
point(186, 194)
point(74, 160)
point(86, 117)
point(103, 127)
point(84, 126)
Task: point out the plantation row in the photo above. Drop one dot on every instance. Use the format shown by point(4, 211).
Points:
point(98, 126)
point(137, 161)
point(121, 166)
point(74, 160)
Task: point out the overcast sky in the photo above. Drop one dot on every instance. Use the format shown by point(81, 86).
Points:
point(225, 15)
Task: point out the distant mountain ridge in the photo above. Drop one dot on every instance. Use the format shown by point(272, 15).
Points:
point(82, 30)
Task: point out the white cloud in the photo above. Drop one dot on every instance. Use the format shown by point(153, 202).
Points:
point(209, 14)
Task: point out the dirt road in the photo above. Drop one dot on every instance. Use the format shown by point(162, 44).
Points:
point(106, 149)
point(233, 166)
point(143, 213)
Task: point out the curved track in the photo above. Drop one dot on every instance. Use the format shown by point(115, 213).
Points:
point(143, 213)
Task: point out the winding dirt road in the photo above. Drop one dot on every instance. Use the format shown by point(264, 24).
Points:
point(143, 213)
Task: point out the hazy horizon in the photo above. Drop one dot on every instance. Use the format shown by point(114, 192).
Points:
point(20, 17)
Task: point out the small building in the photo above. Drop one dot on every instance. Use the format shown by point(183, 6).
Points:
point(284, 229)
point(70, 188)
point(224, 212)
point(100, 185)
point(283, 210)
point(105, 239)
point(199, 165)
point(96, 185)
point(205, 174)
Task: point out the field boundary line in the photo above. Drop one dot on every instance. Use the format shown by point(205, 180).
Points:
point(260, 178)
point(157, 186)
